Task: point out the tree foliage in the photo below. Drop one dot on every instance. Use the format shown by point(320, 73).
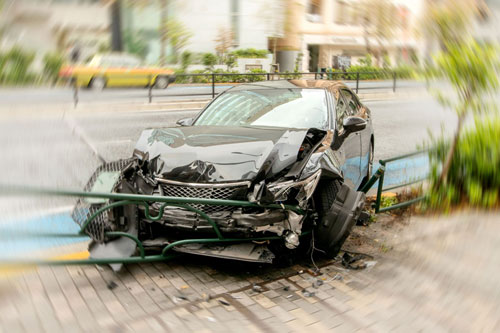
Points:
point(177, 34)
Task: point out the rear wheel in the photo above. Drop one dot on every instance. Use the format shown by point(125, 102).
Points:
point(338, 207)
point(161, 82)
point(97, 83)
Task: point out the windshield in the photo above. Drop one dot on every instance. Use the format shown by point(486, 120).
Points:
point(292, 108)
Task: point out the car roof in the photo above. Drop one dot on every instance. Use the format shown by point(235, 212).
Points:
point(289, 84)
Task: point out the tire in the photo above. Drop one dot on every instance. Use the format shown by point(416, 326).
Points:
point(97, 83)
point(338, 207)
point(161, 82)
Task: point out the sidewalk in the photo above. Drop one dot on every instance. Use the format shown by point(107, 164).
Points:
point(435, 274)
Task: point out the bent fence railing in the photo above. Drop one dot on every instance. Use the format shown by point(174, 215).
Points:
point(379, 176)
point(122, 199)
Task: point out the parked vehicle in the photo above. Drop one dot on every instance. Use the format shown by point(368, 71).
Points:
point(117, 70)
point(305, 146)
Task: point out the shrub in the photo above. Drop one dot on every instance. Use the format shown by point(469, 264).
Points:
point(15, 68)
point(52, 63)
point(250, 53)
point(255, 78)
point(209, 60)
point(404, 72)
point(201, 79)
point(473, 177)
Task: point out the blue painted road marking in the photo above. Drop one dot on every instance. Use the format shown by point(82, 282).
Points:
point(13, 243)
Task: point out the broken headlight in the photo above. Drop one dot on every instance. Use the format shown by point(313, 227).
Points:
point(302, 188)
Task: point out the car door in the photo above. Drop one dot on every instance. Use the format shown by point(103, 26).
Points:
point(352, 141)
point(347, 149)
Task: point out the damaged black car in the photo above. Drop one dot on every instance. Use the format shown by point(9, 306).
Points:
point(306, 144)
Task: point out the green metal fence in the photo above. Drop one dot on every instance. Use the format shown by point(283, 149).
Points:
point(121, 199)
point(379, 176)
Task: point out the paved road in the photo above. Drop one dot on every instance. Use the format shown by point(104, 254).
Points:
point(25, 96)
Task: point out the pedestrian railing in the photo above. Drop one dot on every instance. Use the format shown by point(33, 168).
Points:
point(218, 80)
point(379, 176)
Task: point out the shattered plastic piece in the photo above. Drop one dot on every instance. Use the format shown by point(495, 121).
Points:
point(223, 302)
point(112, 285)
point(338, 277)
point(179, 298)
point(307, 293)
point(370, 263)
point(356, 261)
point(317, 283)
point(257, 288)
point(212, 319)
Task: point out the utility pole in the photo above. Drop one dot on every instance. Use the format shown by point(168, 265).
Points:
point(116, 26)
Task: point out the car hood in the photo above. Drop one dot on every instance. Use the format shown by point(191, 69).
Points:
point(204, 154)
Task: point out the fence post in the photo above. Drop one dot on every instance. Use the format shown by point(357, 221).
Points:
point(150, 89)
point(213, 85)
point(75, 92)
point(357, 82)
point(393, 81)
point(315, 75)
point(267, 76)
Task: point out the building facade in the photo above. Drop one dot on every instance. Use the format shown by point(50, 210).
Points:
point(252, 23)
point(77, 28)
point(337, 33)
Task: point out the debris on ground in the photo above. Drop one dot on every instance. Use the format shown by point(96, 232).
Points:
point(112, 285)
point(317, 283)
point(307, 293)
point(286, 288)
point(256, 288)
point(223, 302)
point(179, 298)
point(314, 272)
point(356, 260)
point(206, 297)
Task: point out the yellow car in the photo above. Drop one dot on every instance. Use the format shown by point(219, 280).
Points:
point(117, 70)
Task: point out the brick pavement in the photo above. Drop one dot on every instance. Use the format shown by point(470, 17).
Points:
point(420, 286)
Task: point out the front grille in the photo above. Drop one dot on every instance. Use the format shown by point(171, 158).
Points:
point(229, 191)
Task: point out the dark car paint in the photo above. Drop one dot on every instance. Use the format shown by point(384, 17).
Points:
point(204, 154)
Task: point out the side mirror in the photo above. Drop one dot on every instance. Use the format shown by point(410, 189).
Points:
point(185, 122)
point(353, 124)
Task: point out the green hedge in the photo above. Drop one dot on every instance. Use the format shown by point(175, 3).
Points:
point(14, 66)
point(474, 177)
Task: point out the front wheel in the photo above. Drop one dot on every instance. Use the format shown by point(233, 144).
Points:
point(338, 208)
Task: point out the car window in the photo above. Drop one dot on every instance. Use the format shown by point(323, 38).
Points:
point(290, 108)
point(353, 105)
point(340, 109)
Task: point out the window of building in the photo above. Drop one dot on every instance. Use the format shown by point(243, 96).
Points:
point(340, 14)
point(314, 11)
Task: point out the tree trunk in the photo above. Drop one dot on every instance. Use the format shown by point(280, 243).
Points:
point(163, 31)
point(451, 151)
